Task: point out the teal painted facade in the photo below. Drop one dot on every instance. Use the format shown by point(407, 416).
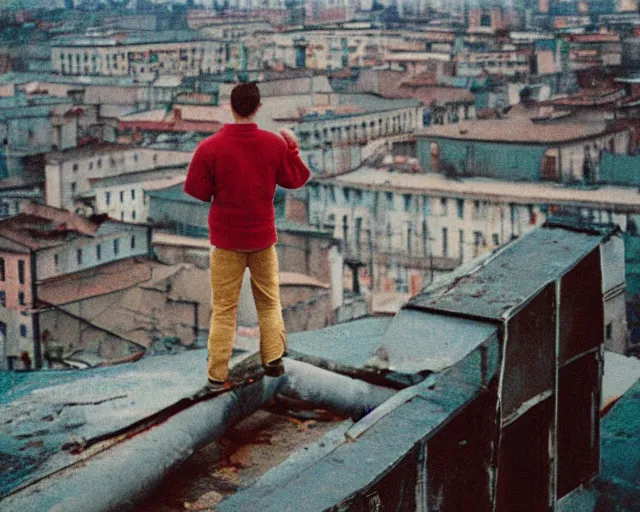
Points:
point(620, 169)
point(632, 262)
point(462, 158)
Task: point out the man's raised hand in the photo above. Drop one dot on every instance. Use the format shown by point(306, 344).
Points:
point(290, 138)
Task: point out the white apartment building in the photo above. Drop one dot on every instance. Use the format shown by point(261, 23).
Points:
point(123, 197)
point(108, 57)
point(507, 62)
point(408, 227)
point(69, 174)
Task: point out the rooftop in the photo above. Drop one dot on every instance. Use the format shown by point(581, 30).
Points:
point(96, 281)
point(39, 226)
point(123, 39)
point(153, 179)
point(517, 129)
point(20, 78)
point(614, 198)
point(87, 151)
point(417, 57)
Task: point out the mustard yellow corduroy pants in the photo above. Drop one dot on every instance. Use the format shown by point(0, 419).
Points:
point(227, 272)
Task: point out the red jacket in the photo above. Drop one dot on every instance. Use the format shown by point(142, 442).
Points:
point(238, 169)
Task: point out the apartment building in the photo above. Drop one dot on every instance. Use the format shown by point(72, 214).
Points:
point(505, 62)
point(146, 56)
point(124, 197)
point(40, 245)
point(69, 173)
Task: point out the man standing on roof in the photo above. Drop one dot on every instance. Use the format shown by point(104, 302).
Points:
point(237, 170)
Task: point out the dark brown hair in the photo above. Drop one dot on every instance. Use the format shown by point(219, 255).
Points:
point(245, 99)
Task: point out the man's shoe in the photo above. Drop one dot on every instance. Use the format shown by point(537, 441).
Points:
point(215, 385)
point(274, 368)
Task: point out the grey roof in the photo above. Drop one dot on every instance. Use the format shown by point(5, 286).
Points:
point(351, 466)
point(59, 407)
point(375, 103)
point(496, 289)
point(297, 227)
point(349, 345)
point(169, 36)
point(19, 78)
point(417, 341)
point(175, 193)
point(155, 173)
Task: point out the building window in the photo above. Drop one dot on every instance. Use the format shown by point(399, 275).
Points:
point(23, 330)
point(389, 198)
point(21, 271)
point(407, 201)
point(73, 188)
point(444, 207)
point(2, 269)
point(107, 198)
point(56, 260)
point(496, 239)
point(445, 242)
point(99, 251)
point(75, 167)
point(3, 299)
point(133, 195)
point(79, 256)
point(133, 215)
point(21, 298)
point(346, 195)
point(133, 241)
point(99, 163)
point(426, 206)
point(116, 246)
point(90, 165)
point(609, 330)
point(460, 203)
point(122, 196)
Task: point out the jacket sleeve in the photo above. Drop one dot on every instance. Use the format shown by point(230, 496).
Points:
point(200, 177)
point(292, 173)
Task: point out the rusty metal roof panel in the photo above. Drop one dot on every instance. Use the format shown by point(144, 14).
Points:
point(495, 289)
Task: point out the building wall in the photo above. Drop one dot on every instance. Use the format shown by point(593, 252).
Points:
point(115, 242)
point(402, 230)
point(16, 326)
point(465, 158)
point(359, 127)
point(187, 58)
point(29, 135)
point(517, 161)
point(67, 179)
point(64, 330)
point(123, 202)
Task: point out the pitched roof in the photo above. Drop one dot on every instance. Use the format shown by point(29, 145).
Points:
point(96, 281)
point(39, 226)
